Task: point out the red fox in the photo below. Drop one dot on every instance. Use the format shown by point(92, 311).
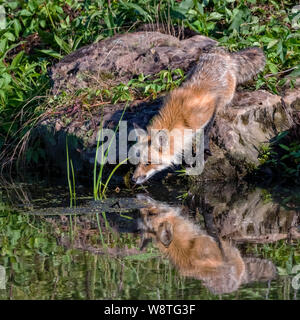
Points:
point(196, 254)
point(210, 85)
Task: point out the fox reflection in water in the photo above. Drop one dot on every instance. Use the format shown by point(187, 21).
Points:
point(195, 253)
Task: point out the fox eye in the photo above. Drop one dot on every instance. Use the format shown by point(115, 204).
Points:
point(147, 165)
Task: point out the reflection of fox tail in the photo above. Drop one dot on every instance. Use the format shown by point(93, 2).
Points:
point(258, 270)
point(248, 63)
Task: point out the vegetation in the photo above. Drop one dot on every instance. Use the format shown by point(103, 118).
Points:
point(286, 257)
point(283, 254)
point(34, 34)
point(282, 156)
point(71, 178)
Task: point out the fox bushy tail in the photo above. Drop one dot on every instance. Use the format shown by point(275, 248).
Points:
point(248, 63)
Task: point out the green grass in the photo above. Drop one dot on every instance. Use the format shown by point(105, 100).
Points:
point(100, 186)
point(71, 178)
point(35, 34)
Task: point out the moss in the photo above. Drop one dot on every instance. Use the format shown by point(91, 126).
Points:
point(264, 153)
point(250, 167)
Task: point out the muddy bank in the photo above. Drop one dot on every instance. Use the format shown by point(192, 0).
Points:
point(253, 119)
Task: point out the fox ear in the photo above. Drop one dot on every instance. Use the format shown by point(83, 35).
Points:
point(165, 233)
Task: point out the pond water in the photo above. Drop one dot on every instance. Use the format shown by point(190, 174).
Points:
point(243, 243)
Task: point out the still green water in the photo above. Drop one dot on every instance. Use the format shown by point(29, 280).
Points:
point(58, 255)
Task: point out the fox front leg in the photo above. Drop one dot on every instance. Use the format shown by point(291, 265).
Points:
point(207, 152)
point(207, 131)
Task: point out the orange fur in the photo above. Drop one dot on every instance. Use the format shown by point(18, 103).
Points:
point(185, 108)
point(210, 85)
point(194, 253)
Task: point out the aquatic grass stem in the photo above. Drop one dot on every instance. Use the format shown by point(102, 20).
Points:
point(111, 174)
point(100, 231)
point(71, 183)
point(99, 193)
point(72, 191)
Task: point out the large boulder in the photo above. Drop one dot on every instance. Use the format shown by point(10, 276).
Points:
point(123, 56)
point(254, 118)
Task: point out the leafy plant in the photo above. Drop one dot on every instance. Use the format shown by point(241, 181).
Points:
point(285, 255)
point(282, 156)
point(34, 34)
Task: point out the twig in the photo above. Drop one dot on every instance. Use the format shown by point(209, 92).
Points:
point(279, 73)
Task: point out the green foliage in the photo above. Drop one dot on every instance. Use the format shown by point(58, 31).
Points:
point(265, 153)
point(290, 161)
point(146, 86)
point(282, 157)
point(34, 34)
point(165, 80)
point(19, 237)
point(140, 88)
point(285, 255)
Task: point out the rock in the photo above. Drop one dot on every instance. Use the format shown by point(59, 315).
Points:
point(124, 56)
point(245, 214)
point(253, 119)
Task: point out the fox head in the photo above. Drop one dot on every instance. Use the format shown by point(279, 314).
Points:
point(158, 150)
point(156, 221)
point(145, 171)
point(155, 154)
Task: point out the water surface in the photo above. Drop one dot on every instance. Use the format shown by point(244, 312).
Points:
point(93, 251)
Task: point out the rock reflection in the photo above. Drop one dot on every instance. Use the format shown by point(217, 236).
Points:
point(197, 254)
point(246, 214)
